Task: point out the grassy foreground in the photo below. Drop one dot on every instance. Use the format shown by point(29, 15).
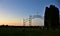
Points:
point(11, 31)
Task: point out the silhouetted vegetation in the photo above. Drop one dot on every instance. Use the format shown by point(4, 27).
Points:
point(13, 31)
point(51, 18)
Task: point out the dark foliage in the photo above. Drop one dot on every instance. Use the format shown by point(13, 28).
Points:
point(51, 18)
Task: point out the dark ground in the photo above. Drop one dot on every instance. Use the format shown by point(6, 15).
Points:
point(27, 31)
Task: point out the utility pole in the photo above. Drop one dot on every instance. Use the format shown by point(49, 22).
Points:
point(30, 20)
point(23, 22)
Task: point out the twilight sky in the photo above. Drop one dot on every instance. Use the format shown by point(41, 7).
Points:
point(12, 12)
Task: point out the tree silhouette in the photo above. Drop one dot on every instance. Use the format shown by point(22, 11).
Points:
point(51, 18)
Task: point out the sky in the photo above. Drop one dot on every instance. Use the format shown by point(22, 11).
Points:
point(12, 12)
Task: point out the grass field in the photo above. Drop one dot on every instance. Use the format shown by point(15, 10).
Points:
point(11, 31)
